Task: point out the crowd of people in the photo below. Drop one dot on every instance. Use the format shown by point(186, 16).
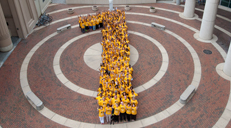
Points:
point(116, 97)
point(90, 22)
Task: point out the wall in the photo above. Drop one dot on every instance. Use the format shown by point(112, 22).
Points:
point(41, 6)
point(22, 15)
point(9, 17)
point(106, 1)
point(44, 5)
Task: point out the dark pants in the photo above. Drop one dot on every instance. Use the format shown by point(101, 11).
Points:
point(101, 25)
point(83, 30)
point(116, 118)
point(122, 116)
point(97, 26)
point(128, 117)
point(112, 110)
point(86, 28)
point(133, 117)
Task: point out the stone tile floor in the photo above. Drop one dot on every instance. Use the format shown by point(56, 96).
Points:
point(203, 110)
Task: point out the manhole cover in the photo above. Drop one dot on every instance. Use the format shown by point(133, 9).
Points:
point(207, 52)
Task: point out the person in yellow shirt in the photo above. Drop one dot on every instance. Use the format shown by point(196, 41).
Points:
point(116, 89)
point(108, 110)
point(109, 99)
point(130, 69)
point(115, 100)
point(82, 27)
point(128, 112)
point(101, 114)
point(99, 98)
point(116, 112)
point(126, 100)
point(101, 22)
point(91, 24)
point(100, 88)
point(86, 23)
point(134, 101)
point(122, 112)
point(133, 94)
point(134, 112)
point(97, 23)
point(94, 24)
point(103, 103)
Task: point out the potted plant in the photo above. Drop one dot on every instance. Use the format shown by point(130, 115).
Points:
point(127, 7)
point(70, 11)
point(152, 9)
point(94, 8)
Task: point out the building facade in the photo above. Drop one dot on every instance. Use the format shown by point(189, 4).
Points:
point(18, 18)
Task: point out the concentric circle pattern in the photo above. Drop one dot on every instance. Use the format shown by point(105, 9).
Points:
point(60, 69)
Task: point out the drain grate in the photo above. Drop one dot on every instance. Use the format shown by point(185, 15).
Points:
point(207, 51)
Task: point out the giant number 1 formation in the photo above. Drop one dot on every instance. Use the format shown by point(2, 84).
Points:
point(116, 96)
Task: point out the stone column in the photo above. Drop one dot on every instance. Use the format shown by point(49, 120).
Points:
point(208, 20)
point(111, 5)
point(189, 8)
point(227, 66)
point(5, 39)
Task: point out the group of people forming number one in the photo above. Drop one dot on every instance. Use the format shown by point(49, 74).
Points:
point(116, 97)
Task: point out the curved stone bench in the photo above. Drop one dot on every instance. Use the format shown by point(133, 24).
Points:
point(159, 26)
point(187, 94)
point(35, 100)
point(68, 26)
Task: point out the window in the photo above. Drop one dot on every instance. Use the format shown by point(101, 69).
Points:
point(226, 3)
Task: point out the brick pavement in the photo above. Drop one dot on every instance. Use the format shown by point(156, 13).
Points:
point(202, 111)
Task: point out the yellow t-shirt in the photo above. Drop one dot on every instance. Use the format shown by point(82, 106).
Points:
point(103, 103)
point(135, 95)
point(129, 110)
point(99, 98)
point(82, 25)
point(126, 101)
point(94, 22)
point(117, 110)
point(108, 100)
point(115, 101)
point(134, 102)
point(101, 112)
point(91, 23)
point(86, 23)
point(122, 108)
point(97, 21)
point(108, 110)
point(100, 20)
point(111, 89)
point(134, 112)
point(99, 89)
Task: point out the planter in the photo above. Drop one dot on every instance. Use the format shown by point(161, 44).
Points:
point(152, 10)
point(94, 8)
point(127, 8)
point(70, 11)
